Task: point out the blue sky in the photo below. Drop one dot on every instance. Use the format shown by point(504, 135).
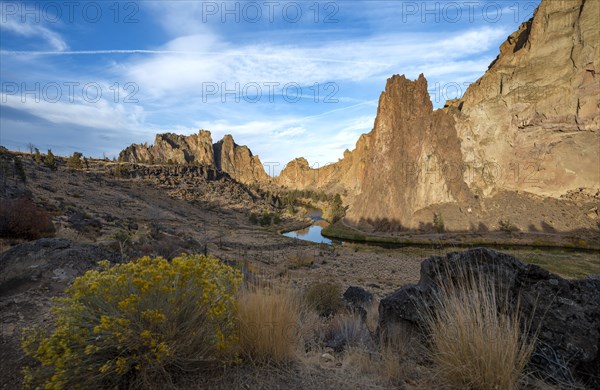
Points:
point(286, 78)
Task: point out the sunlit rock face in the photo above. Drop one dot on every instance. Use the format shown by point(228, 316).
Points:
point(530, 124)
point(225, 155)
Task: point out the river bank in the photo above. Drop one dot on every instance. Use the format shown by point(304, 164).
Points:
point(496, 239)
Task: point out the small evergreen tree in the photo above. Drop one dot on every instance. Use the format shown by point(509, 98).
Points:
point(438, 222)
point(50, 160)
point(337, 208)
point(74, 162)
point(37, 156)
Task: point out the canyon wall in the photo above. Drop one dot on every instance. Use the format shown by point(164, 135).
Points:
point(533, 118)
point(528, 125)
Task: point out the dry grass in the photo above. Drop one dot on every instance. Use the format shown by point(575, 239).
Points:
point(300, 260)
point(390, 363)
point(476, 341)
point(268, 324)
point(325, 298)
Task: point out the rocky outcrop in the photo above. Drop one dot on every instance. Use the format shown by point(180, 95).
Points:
point(529, 125)
point(564, 313)
point(174, 148)
point(238, 161)
point(198, 149)
point(411, 149)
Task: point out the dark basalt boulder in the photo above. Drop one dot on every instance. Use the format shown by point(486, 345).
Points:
point(565, 313)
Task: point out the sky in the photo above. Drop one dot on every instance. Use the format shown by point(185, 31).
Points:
point(287, 78)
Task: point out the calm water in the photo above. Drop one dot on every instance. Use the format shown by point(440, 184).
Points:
point(312, 233)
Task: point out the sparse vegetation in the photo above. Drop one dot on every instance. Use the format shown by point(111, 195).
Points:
point(300, 259)
point(74, 162)
point(139, 324)
point(253, 218)
point(266, 219)
point(22, 218)
point(325, 298)
point(475, 334)
point(122, 237)
point(268, 321)
point(337, 210)
point(291, 209)
point(507, 226)
point(120, 170)
point(50, 160)
point(19, 169)
point(37, 156)
point(438, 222)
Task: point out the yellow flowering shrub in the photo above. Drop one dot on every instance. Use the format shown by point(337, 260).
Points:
point(137, 323)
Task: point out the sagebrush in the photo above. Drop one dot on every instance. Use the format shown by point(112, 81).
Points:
point(136, 324)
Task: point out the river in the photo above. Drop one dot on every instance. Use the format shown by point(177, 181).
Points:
point(313, 232)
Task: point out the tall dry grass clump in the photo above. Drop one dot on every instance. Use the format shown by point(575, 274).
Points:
point(268, 319)
point(475, 334)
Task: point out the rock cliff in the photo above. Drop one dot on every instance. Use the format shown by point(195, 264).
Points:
point(533, 118)
point(528, 125)
point(198, 149)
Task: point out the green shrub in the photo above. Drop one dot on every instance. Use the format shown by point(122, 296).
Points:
point(325, 298)
point(120, 170)
point(253, 218)
point(50, 160)
point(337, 209)
point(266, 218)
point(438, 222)
point(37, 156)
point(138, 324)
point(74, 162)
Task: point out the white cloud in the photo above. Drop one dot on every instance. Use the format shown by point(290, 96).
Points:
point(100, 115)
point(202, 59)
point(29, 30)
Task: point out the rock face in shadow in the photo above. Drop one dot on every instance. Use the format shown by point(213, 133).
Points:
point(529, 124)
point(198, 149)
point(566, 312)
